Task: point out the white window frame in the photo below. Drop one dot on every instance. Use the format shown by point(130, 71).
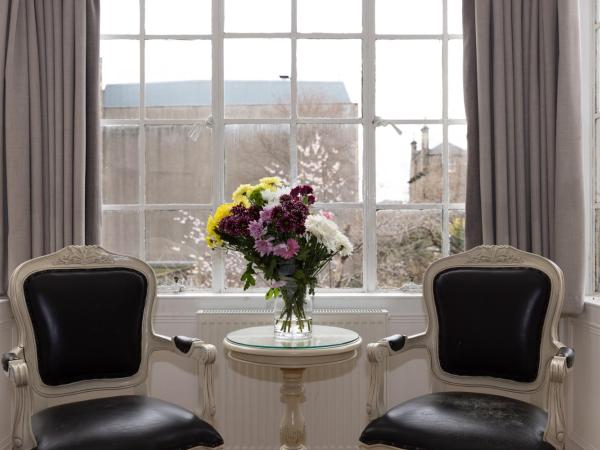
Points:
point(590, 28)
point(368, 120)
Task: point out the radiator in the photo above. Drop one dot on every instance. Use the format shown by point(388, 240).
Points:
point(247, 397)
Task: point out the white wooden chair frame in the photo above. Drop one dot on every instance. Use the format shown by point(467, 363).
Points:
point(553, 367)
point(32, 395)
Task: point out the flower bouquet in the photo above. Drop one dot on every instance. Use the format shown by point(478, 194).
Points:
point(281, 238)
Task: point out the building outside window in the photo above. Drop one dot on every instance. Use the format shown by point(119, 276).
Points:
point(200, 96)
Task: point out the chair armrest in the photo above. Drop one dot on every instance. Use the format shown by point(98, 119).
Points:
point(6, 358)
point(377, 354)
point(560, 365)
point(15, 367)
point(569, 355)
point(205, 355)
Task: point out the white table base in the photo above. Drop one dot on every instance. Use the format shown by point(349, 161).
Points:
point(292, 431)
point(329, 346)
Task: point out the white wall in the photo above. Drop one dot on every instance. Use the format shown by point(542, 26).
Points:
point(408, 378)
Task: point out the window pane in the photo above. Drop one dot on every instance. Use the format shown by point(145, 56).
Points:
point(178, 75)
point(120, 62)
point(121, 232)
point(407, 242)
point(408, 17)
point(257, 78)
point(409, 79)
point(330, 158)
point(409, 166)
point(455, 16)
point(346, 272)
point(456, 99)
point(456, 230)
point(258, 16)
point(457, 162)
point(325, 89)
point(178, 16)
point(330, 16)
point(120, 175)
point(175, 247)
point(179, 164)
point(255, 151)
point(235, 265)
point(119, 17)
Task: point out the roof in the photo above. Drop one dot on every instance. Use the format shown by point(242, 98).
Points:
point(198, 93)
point(452, 149)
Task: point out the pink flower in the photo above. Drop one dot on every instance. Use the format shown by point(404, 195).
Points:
point(327, 214)
point(266, 213)
point(256, 229)
point(287, 250)
point(263, 246)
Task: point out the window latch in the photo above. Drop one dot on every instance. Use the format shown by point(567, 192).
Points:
point(379, 122)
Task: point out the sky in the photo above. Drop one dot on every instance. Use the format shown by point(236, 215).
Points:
point(408, 72)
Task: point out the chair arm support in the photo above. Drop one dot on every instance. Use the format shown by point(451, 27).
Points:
point(15, 367)
point(6, 358)
point(560, 364)
point(205, 355)
point(569, 355)
point(377, 354)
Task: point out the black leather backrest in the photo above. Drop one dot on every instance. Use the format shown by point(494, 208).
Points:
point(87, 322)
point(491, 320)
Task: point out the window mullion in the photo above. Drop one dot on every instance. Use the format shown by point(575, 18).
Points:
point(142, 134)
point(294, 98)
point(218, 132)
point(445, 145)
point(368, 116)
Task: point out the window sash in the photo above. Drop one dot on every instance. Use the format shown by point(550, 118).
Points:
point(368, 120)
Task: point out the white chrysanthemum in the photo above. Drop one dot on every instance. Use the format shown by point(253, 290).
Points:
point(327, 233)
point(272, 197)
point(344, 245)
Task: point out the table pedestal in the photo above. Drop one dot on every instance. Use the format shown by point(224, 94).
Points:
point(292, 431)
point(258, 346)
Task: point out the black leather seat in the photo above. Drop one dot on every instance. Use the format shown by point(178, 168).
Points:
point(460, 421)
point(121, 423)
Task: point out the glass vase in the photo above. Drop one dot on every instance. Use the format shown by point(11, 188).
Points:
point(292, 312)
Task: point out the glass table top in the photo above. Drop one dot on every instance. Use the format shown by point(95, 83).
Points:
point(263, 337)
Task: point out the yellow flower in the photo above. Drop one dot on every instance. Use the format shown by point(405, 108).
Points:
point(223, 211)
point(212, 237)
point(241, 194)
point(270, 183)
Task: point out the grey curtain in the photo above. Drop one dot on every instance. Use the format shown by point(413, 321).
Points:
point(49, 128)
point(522, 97)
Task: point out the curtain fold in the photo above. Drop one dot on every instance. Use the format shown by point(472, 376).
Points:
point(49, 128)
point(523, 104)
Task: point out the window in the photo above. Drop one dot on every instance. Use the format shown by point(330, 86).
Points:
point(362, 98)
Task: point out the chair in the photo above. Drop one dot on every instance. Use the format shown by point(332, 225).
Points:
point(80, 370)
point(498, 366)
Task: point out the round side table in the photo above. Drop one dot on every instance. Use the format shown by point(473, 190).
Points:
point(328, 346)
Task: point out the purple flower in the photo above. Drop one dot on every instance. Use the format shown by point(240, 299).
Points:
point(266, 213)
point(287, 250)
point(256, 229)
point(236, 224)
point(290, 216)
point(301, 190)
point(263, 246)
